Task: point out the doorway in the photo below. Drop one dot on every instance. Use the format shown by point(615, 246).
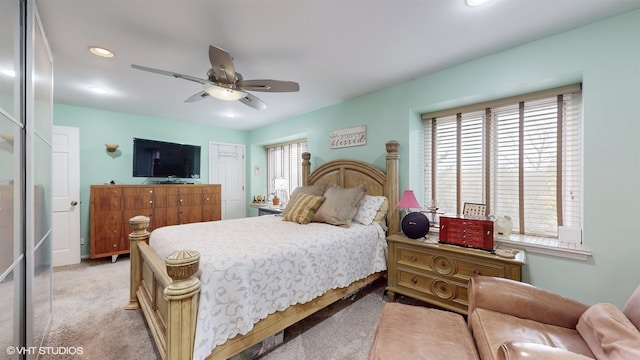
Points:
point(227, 167)
point(66, 195)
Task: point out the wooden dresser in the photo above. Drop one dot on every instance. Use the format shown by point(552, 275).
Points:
point(111, 207)
point(439, 273)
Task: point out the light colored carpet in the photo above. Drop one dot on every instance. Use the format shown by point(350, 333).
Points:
point(88, 312)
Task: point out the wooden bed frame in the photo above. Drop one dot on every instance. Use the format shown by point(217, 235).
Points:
point(168, 291)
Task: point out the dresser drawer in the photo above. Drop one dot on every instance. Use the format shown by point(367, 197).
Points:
point(466, 269)
point(108, 218)
point(445, 264)
point(439, 291)
point(414, 258)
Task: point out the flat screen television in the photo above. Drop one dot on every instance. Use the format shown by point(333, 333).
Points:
point(153, 158)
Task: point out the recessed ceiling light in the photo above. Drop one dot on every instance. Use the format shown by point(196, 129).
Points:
point(474, 3)
point(9, 73)
point(98, 90)
point(96, 50)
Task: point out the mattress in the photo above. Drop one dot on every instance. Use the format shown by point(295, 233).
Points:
point(253, 267)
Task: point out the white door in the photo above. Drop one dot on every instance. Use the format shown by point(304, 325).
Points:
point(226, 167)
point(66, 195)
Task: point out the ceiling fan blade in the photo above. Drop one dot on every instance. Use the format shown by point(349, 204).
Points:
point(197, 97)
point(254, 102)
point(268, 85)
point(222, 65)
point(173, 74)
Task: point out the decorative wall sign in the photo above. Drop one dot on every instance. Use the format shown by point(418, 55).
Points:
point(354, 136)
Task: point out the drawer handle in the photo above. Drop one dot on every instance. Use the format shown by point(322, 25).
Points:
point(114, 245)
point(414, 280)
point(414, 258)
point(476, 272)
point(443, 288)
point(488, 232)
point(150, 201)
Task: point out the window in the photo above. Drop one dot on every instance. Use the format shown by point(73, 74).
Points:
point(520, 156)
point(284, 161)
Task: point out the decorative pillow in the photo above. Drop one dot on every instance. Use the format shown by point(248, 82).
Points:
point(302, 208)
point(368, 209)
point(340, 205)
point(381, 215)
point(316, 190)
point(609, 333)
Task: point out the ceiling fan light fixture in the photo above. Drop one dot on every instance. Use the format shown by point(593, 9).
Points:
point(223, 93)
point(100, 51)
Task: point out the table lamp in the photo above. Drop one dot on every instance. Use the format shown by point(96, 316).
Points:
point(414, 224)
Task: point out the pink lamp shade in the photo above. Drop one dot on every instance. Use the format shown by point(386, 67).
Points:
point(408, 201)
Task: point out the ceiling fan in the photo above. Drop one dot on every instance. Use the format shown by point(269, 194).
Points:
point(224, 83)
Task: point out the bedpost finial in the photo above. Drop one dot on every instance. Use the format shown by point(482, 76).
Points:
point(182, 265)
point(392, 146)
point(139, 223)
point(306, 156)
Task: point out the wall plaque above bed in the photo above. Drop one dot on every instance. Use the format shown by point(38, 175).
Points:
point(354, 136)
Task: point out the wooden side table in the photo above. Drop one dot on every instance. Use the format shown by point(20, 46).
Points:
point(439, 273)
point(269, 211)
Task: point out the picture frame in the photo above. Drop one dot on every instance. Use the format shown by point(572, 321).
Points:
point(474, 209)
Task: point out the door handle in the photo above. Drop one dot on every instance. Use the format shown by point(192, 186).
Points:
point(74, 203)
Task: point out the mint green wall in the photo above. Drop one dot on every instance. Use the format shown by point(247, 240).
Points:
point(98, 127)
point(605, 57)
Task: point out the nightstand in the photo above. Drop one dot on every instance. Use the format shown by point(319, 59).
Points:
point(269, 211)
point(439, 273)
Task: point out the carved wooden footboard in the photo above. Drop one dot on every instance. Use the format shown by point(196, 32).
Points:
point(168, 290)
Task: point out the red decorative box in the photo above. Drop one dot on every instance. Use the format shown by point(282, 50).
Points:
point(474, 232)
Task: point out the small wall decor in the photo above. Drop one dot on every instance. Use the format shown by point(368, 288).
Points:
point(7, 138)
point(355, 136)
point(111, 147)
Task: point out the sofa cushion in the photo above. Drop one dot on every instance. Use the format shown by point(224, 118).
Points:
point(492, 329)
point(529, 351)
point(608, 332)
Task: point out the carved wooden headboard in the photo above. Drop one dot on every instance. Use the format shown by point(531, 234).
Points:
point(351, 173)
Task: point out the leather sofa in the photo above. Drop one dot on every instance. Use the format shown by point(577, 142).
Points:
point(514, 320)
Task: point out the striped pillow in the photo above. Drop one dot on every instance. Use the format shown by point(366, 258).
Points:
point(302, 208)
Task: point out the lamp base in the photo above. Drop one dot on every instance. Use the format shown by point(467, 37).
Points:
point(415, 225)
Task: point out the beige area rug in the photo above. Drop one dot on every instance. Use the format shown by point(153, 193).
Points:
point(88, 312)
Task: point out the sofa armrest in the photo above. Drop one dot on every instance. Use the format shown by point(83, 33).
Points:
point(524, 301)
point(530, 351)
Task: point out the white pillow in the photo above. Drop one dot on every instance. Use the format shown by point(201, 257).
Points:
point(368, 209)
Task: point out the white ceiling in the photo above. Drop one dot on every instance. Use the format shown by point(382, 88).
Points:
point(335, 49)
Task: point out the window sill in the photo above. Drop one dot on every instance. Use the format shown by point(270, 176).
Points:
point(546, 246)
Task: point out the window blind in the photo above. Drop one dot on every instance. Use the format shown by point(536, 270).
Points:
point(284, 161)
point(520, 157)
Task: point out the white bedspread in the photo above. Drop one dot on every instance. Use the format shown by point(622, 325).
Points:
point(255, 266)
